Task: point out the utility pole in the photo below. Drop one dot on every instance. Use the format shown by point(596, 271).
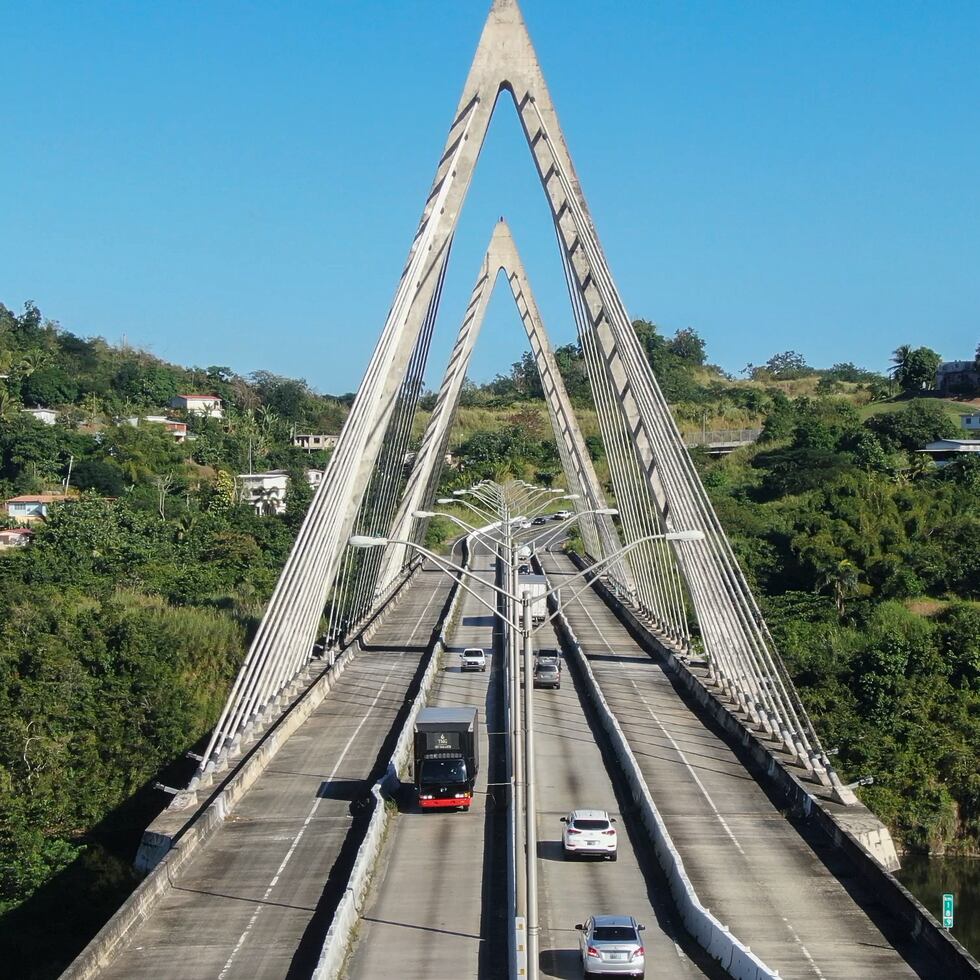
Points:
point(530, 807)
point(517, 735)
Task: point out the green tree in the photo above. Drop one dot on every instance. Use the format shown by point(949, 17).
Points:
point(920, 422)
point(915, 369)
point(688, 346)
point(841, 580)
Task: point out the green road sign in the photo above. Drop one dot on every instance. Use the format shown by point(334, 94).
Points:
point(947, 911)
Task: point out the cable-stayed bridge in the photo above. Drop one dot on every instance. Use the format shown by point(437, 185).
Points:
point(298, 850)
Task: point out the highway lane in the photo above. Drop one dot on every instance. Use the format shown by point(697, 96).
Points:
point(748, 863)
point(572, 773)
point(253, 904)
point(436, 909)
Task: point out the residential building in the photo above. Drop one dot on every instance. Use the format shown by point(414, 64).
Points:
point(46, 415)
point(209, 405)
point(944, 451)
point(178, 429)
point(314, 478)
point(970, 422)
point(33, 506)
point(15, 537)
point(310, 441)
point(265, 492)
point(957, 376)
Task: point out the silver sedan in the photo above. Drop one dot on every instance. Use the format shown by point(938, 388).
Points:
point(611, 946)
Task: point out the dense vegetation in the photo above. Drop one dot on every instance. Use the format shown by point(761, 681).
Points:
point(125, 618)
point(865, 554)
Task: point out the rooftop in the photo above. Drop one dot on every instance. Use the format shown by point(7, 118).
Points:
point(38, 498)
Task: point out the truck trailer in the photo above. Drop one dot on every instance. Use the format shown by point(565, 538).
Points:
point(446, 756)
point(536, 586)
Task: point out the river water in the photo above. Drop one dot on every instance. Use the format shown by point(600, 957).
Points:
point(929, 877)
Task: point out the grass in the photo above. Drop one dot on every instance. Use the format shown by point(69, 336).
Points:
point(927, 606)
point(954, 409)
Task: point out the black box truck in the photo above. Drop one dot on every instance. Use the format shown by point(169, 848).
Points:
point(446, 757)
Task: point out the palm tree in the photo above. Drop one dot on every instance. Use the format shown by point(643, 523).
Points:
point(266, 500)
point(8, 405)
point(842, 580)
point(920, 465)
point(901, 358)
point(33, 361)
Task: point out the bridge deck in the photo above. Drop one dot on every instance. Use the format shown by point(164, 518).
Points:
point(426, 915)
point(748, 863)
point(253, 904)
point(572, 773)
point(433, 912)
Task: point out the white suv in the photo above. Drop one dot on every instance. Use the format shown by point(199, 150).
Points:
point(473, 659)
point(589, 832)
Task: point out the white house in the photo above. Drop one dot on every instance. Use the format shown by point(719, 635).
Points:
point(265, 492)
point(970, 422)
point(46, 415)
point(15, 537)
point(33, 506)
point(944, 451)
point(177, 429)
point(310, 441)
point(314, 478)
point(209, 405)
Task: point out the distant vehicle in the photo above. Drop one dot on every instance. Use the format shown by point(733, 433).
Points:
point(547, 655)
point(524, 554)
point(446, 756)
point(562, 515)
point(523, 569)
point(589, 833)
point(611, 945)
point(537, 586)
point(547, 673)
point(474, 658)
point(538, 521)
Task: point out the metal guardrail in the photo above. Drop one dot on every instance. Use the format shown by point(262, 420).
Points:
point(721, 437)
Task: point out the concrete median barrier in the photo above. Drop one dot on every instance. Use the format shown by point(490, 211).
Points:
point(339, 938)
point(853, 831)
point(734, 956)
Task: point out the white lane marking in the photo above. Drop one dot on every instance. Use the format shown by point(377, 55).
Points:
point(670, 738)
point(313, 809)
point(690, 768)
point(677, 949)
point(806, 952)
point(694, 775)
point(297, 838)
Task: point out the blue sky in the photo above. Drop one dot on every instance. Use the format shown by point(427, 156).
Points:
point(238, 183)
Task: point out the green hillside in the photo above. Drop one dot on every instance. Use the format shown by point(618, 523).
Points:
point(128, 614)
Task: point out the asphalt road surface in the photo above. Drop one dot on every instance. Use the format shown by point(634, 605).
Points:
point(257, 900)
point(787, 896)
point(436, 909)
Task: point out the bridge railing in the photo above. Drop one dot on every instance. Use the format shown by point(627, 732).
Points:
point(721, 437)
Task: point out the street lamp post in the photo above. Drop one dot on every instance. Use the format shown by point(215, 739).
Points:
point(520, 632)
